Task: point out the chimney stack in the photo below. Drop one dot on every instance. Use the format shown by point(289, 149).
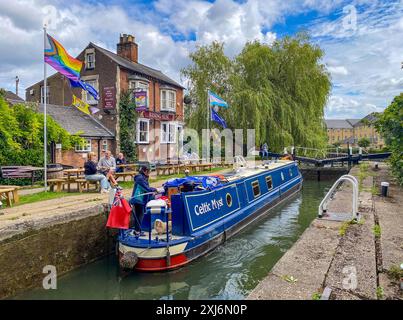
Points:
point(127, 48)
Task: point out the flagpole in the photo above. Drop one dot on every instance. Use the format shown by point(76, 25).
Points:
point(45, 142)
point(208, 127)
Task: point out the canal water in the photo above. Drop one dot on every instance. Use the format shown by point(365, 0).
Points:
point(229, 272)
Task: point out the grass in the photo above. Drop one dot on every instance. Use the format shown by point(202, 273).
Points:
point(41, 196)
point(289, 278)
point(395, 273)
point(362, 174)
point(377, 230)
point(316, 296)
point(379, 293)
point(345, 225)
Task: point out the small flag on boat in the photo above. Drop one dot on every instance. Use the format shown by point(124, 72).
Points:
point(215, 100)
point(119, 216)
point(216, 118)
point(59, 59)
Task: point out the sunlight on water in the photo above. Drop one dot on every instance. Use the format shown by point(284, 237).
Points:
point(229, 272)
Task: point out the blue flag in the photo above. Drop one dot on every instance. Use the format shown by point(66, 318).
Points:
point(215, 117)
point(87, 87)
point(215, 100)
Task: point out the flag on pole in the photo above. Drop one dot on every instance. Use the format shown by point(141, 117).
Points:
point(81, 105)
point(59, 59)
point(216, 118)
point(215, 100)
point(85, 86)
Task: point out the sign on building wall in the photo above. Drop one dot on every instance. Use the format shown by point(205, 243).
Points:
point(109, 97)
point(157, 115)
point(140, 98)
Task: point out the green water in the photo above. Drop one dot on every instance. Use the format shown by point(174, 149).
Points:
point(229, 272)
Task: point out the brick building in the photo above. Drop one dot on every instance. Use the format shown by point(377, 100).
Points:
point(158, 98)
point(350, 131)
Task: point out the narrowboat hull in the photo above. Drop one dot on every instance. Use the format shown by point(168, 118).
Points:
point(201, 237)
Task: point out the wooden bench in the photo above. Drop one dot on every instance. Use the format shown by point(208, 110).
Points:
point(125, 174)
point(10, 193)
point(59, 183)
point(19, 172)
point(85, 184)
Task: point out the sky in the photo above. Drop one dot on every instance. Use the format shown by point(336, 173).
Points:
point(362, 39)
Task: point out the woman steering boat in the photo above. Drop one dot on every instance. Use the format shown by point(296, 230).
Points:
point(195, 214)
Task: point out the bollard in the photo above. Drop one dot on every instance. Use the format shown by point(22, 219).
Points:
point(384, 189)
point(376, 165)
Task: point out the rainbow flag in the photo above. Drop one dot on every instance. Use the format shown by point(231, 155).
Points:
point(59, 59)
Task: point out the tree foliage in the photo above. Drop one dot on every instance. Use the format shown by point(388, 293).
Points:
point(364, 142)
point(21, 134)
point(279, 90)
point(390, 126)
point(127, 124)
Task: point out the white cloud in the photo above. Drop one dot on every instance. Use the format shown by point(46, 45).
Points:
point(338, 70)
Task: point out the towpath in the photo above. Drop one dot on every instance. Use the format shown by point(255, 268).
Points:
point(340, 260)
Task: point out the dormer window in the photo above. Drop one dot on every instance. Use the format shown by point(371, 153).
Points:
point(89, 59)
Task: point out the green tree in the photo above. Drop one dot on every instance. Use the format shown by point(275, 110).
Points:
point(21, 134)
point(279, 90)
point(390, 126)
point(127, 124)
point(364, 142)
point(210, 69)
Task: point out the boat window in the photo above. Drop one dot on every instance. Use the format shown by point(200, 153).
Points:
point(269, 182)
point(290, 172)
point(256, 188)
point(282, 176)
point(229, 200)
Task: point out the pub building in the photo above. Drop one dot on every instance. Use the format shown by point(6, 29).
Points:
point(158, 100)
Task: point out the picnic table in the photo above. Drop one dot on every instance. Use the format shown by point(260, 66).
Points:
point(18, 172)
point(10, 192)
point(72, 176)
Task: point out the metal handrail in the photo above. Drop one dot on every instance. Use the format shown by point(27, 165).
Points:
point(323, 205)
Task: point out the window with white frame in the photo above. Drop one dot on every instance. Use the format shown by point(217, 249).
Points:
point(168, 132)
point(90, 60)
point(104, 145)
point(85, 146)
point(139, 86)
point(168, 100)
point(47, 94)
point(87, 96)
point(143, 128)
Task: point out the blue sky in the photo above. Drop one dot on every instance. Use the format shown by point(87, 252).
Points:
point(361, 38)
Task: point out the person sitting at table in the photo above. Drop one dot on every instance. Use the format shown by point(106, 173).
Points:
point(91, 173)
point(119, 161)
point(107, 165)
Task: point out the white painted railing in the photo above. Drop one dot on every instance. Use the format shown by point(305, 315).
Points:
point(323, 205)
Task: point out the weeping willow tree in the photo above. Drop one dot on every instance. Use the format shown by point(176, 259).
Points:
point(279, 90)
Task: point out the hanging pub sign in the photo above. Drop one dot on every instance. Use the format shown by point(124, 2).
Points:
point(109, 97)
point(140, 98)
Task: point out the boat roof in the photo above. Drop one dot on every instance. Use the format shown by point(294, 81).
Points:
point(251, 171)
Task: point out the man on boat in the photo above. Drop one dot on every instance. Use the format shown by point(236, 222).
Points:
point(141, 194)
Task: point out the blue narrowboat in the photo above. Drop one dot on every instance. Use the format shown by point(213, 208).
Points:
point(202, 212)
